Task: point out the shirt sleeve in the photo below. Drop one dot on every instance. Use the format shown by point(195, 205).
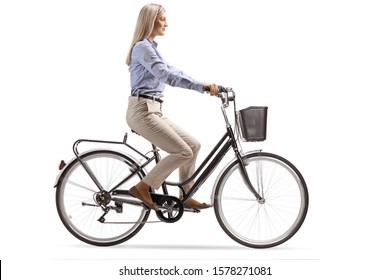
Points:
point(165, 73)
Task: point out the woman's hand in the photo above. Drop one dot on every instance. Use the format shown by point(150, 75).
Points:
point(212, 89)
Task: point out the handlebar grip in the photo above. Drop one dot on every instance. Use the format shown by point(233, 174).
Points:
point(220, 89)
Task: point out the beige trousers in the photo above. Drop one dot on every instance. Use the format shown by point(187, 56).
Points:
point(145, 117)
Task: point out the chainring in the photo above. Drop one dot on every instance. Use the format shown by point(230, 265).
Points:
point(171, 208)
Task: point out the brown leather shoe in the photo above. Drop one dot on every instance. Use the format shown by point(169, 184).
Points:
point(144, 196)
point(192, 203)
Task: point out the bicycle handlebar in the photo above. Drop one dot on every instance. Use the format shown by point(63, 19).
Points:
point(225, 97)
point(223, 94)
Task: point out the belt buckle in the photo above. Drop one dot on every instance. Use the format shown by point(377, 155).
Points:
point(156, 99)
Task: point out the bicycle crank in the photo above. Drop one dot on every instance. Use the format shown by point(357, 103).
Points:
point(171, 207)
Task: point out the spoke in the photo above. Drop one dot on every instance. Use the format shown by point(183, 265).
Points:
point(80, 186)
point(237, 198)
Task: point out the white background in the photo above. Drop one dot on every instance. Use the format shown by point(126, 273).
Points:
point(322, 68)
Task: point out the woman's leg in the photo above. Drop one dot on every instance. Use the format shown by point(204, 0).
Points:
point(145, 117)
point(187, 169)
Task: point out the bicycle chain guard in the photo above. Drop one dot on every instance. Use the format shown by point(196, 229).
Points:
point(171, 208)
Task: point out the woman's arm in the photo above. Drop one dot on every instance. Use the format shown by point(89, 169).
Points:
point(147, 56)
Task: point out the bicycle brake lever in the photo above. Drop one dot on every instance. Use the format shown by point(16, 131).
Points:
point(223, 89)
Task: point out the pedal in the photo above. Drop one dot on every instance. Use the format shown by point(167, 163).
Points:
point(192, 210)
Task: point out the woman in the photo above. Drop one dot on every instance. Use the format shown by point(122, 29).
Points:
point(149, 74)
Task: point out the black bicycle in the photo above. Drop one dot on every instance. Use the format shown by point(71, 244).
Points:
point(260, 199)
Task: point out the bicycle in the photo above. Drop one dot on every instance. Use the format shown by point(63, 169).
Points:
point(260, 199)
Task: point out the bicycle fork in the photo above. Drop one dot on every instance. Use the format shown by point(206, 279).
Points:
point(248, 182)
point(245, 175)
point(243, 171)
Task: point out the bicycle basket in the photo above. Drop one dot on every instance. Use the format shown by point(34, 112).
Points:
point(252, 123)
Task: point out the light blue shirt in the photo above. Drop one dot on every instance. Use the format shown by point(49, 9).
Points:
point(149, 72)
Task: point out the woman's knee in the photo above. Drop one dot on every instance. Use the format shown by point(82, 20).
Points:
point(196, 147)
point(186, 153)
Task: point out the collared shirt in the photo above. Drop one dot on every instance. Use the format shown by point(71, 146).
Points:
point(149, 72)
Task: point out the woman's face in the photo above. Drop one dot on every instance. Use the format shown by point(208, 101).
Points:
point(159, 25)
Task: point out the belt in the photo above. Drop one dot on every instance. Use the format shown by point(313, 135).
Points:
point(151, 97)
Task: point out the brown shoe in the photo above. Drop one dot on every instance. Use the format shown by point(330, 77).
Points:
point(192, 203)
point(144, 196)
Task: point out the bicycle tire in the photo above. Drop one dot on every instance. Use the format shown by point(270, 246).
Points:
point(76, 205)
point(255, 224)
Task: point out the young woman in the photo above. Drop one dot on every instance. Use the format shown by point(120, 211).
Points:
point(149, 73)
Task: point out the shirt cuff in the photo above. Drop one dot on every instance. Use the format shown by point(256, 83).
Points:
point(199, 87)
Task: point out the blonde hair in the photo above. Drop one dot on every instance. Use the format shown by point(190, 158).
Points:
point(145, 23)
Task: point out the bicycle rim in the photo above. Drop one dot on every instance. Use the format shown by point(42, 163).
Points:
point(76, 199)
point(255, 224)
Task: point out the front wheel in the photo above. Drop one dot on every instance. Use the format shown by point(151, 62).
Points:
point(261, 223)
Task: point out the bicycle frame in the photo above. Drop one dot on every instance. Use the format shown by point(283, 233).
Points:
point(210, 163)
point(199, 177)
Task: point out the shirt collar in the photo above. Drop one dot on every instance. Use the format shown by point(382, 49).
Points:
point(154, 43)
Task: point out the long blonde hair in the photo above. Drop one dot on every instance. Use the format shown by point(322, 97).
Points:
point(145, 23)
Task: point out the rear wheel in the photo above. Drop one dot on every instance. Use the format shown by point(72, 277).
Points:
point(81, 205)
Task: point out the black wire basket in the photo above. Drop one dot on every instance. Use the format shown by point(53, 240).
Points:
point(252, 123)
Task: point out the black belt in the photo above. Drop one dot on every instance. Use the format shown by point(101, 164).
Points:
point(149, 97)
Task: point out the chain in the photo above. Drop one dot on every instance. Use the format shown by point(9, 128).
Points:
point(132, 223)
